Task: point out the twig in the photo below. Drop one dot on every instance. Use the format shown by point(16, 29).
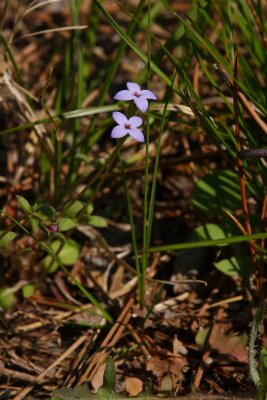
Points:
point(22, 393)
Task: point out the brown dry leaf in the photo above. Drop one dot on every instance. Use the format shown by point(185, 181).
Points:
point(178, 347)
point(98, 378)
point(177, 365)
point(157, 366)
point(117, 279)
point(228, 343)
point(133, 385)
point(174, 365)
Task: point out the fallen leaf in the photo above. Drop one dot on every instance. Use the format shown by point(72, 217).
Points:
point(226, 342)
point(178, 347)
point(98, 378)
point(133, 385)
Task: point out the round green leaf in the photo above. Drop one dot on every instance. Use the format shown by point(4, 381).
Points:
point(7, 298)
point(98, 222)
point(28, 290)
point(68, 255)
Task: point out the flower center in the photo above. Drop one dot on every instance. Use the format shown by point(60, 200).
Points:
point(127, 126)
point(137, 94)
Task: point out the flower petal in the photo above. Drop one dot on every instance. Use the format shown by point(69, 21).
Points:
point(147, 94)
point(123, 95)
point(141, 103)
point(133, 87)
point(135, 122)
point(137, 135)
point(118, 132)
point(119, 117)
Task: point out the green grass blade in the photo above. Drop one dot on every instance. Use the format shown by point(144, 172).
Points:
point(208, 243)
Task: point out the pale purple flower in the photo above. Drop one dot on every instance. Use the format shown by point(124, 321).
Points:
point(127, 126)
point(139, 96)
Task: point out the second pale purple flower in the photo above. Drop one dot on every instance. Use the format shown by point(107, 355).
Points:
point(127, 126)
point(135, 93)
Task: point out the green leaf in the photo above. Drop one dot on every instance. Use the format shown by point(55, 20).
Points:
point(98, 222)
point(39, 217)
point(72, 209)
point(7, 298)
point(229, 266)
point(263, 373)
point(34, 224)
point(90, 209)
point(24, 204)
point(210, 232)
point(109, 375)
point(6, 238)
point(66, 224)
point(28, 290)
point(68, 255)
point(79, 392)
point(46, 210)
point(216, 191)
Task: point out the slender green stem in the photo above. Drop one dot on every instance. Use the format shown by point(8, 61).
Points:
point(156, 167)
point(133, 232)
point(146, 183)
point(57, 168)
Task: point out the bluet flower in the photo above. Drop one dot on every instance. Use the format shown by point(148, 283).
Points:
point(135, 93)
point(127, 127)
